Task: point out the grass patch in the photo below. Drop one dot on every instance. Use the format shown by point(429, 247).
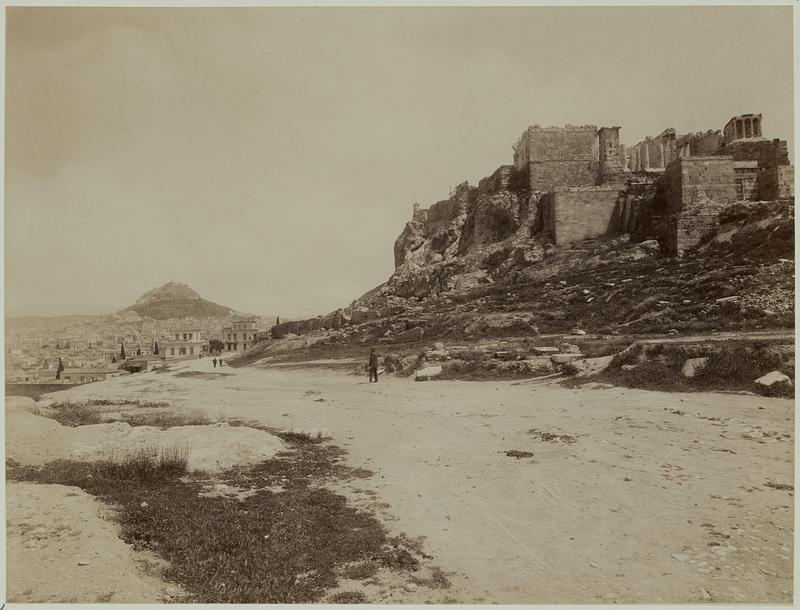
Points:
point(302, 438)
point(550, 437)
point(269, 547)
point(360, 571)
point(75, 414)
point(348, 597)
point(167, 420)
point(437, 580)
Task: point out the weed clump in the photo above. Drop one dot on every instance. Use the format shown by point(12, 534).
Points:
point(75, 414)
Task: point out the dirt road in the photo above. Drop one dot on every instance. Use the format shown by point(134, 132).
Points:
point(641, 496)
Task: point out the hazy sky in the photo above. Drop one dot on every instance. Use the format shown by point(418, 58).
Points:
point(269, 157)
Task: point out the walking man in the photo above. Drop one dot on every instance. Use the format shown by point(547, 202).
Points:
point(215, 362)
point(373, 365)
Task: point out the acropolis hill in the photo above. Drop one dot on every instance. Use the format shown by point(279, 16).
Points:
point(630, 225)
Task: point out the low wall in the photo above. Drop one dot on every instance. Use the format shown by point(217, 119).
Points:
point(36, 390)
point(583, 212)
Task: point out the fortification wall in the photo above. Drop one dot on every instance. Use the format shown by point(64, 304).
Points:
point(583, 212)
point(696, 190)
point(768, 153)
point(776, 183)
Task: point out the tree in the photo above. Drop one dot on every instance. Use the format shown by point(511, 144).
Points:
point(60, 369)
point(122, 352)
point(215, 345)
point(138, 351)
point(155, 349)
point(113, 359)
point(277, 320)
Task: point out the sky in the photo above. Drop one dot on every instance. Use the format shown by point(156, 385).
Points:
point(269, 157)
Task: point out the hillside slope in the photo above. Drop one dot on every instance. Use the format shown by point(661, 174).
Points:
point(176, 300)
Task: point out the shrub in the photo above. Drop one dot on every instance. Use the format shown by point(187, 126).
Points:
point(569, 369)
point(75, 414)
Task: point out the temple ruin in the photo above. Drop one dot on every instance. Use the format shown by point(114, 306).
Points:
point(588, 184)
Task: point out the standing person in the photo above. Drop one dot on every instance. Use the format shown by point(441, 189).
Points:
point(220, 361)
point(373, 365)
point(215, 363)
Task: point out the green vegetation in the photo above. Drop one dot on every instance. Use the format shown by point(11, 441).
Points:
point(271, 547)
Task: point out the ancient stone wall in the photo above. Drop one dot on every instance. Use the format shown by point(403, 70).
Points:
point(558, 156)
point(768, 153)
point(706, 144)
point(442, 213)
point(696, 190)
point(776, 183)
point(610, 162)
point(498, 181)
point(583, 212)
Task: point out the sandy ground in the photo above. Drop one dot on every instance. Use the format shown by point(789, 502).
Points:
point(62, 546)
point(663, 497)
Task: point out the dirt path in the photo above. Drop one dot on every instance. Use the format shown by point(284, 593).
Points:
point(662, 497)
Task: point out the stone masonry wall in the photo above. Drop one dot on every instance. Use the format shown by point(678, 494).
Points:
point(558, 156)
point(696, 190)
point(584, 212)
point(776, 183)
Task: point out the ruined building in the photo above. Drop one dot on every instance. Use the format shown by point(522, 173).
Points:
point(581, 182)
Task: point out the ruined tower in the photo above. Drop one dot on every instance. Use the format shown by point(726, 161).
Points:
point(610, 162)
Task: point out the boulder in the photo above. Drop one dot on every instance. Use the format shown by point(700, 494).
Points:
point(578, 331)
point(428, 373)
point(563, 358)
point(774, 384)
point(569, 348)
point(411, 335)
point(692, 366)
point(543, 350)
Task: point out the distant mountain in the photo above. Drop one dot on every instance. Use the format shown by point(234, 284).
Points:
point(176, 300)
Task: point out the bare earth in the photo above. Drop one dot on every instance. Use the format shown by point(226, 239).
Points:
point(662, 497)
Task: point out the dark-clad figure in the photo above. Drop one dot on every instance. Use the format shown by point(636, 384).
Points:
point(215, 362)
point(373, 365)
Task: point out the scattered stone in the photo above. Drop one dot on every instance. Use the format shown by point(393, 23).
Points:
point(727, 299)
point(672, 331)
point(518, 454)
point(693, 366)
point(629, 367)
point(410, 587)
point(562, 283)
point(438, 346)
point(564, 358)
point(686, 301)
point(428, 373)
point(585, 291)
point(578, 331)
point(569, 348)
point(774, 383)
point(544, 350)
point(412, 334)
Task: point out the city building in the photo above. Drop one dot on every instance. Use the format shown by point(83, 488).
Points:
point(240, 335)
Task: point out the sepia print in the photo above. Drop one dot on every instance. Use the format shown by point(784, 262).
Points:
point(399, 305)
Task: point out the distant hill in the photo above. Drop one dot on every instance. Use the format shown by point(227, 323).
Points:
point(176, 300)
point(23, 323)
